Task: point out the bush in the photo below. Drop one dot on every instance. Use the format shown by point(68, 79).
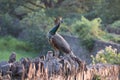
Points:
point(37, 24)
point(37, 19)
point(32, 28)
point(108, 55)
point(10, 43)
point(112, 37)
point(116, 24)
point(36, 38)
point(10, 26)
point(88, 30)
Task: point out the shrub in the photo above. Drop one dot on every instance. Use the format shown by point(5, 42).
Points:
point(10, 26)
point(36, 38)
point(112, 37)
point(37, 24)
point(10, 43)
point(37, 19)
point(108, 55)
point(88, 30)
point(32, 28)
point(116, 24)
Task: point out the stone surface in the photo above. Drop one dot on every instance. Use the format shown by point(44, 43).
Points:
point(12, 57)
point(113, 30)
point(80, 51)
point(53, 68)
point(99, 45)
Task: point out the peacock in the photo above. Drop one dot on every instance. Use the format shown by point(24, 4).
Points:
point(56, 40)
point(59, 43)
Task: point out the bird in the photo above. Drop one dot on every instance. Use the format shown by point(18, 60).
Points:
point(58, 42)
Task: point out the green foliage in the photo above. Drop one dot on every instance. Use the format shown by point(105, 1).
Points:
point(36, 29)
point(36, 38)
point(107, 12)
point(116, 24)
point(37, 19)
point(30, 20)
point(10, 26)
point(4, 54)
point(7, 6)
point(10, 43)
point(110, 37)
point(32, 29)
point(88, 30)
point(108, 55)
point(74, 6)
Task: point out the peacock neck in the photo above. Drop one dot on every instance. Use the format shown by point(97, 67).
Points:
point(54, 29)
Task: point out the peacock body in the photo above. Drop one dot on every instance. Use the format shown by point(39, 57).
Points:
point(60, 44)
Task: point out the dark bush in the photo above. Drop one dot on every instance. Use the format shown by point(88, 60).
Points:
point(36, 27)
point(36, 38)
point(10, 26)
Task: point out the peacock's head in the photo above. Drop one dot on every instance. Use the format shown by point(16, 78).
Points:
point(58, 20)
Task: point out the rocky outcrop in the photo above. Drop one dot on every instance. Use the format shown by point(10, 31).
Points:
point(78, 48)
point(83, 53)
point(99, 45)
point(52, 68)
point(113, 30)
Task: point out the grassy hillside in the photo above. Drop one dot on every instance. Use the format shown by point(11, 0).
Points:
point(9, 44)
point(29, 21)
point(4, 54)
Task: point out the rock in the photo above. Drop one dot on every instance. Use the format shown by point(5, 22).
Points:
point(52, 68)
point(113, 30)
point(21, 71)
point(49, 55)
point(31, 71)
point(37, 62)
point(6, 69)
point(6, 77)
point(38, 73)
point(1, 64)
point(26, 62)
point(18, 70)
point(13, 69)
point(0, 76)
point(12, 57)
point(42, 58)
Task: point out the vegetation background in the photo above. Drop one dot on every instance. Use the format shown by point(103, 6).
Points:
point(25, 23)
